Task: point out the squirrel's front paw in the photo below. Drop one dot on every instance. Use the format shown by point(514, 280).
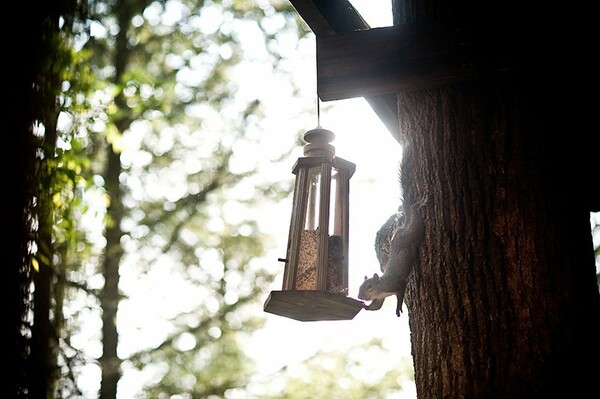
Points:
point(374, 305)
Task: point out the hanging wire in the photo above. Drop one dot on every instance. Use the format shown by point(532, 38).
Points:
point(317, 93)
point(318, 112)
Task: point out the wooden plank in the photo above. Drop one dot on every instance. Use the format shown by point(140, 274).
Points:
point(386, 108)
point(312, 305)
point(327, 17)
point(313, 17)
point(390, 60)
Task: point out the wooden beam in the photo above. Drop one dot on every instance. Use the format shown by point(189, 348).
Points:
point(327, 17)
point(391, 59)
point(313, 17)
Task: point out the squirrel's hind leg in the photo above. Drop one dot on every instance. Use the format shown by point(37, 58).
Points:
point(398, 305)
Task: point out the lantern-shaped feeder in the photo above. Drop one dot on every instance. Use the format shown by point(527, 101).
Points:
point(315, 279)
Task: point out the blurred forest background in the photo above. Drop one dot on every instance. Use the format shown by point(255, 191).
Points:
point(152, 168)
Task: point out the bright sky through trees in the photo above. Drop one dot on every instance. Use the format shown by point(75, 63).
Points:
point(374, 195)
point(362, 139)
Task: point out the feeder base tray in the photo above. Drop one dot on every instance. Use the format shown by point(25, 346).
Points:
point(308, 305)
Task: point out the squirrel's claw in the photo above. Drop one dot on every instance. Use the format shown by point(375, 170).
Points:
point(398, 306)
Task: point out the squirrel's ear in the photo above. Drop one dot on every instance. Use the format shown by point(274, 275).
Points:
point(376, 276)
point(366, 278)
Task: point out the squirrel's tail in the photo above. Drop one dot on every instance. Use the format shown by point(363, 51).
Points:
point(405, 178)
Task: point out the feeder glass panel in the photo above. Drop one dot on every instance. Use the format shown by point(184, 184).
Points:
point(314, 196)
point(336, 260)
point(308, 250)
point(335, 205)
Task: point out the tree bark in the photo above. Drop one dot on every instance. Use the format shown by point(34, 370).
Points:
point(503, 302)
point(44, 369)
point(109, 298)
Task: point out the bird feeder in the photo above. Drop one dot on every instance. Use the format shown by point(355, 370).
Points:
point(315, 278)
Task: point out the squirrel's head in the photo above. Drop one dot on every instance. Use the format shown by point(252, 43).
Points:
point(370, 288)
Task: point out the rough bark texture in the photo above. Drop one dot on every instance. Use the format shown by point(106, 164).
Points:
point(504, 302)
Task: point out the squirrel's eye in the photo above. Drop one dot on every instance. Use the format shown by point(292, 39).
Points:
point(369, 286)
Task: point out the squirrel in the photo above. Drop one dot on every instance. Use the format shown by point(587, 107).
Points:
point(396, 245)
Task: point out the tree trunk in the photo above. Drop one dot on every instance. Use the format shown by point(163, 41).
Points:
point(110, 296)
point(498, 305)
point(109, 299)
point(44, 369)
point(503, 302)
point(43, 339)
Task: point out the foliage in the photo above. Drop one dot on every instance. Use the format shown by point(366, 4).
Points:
point(189, 145)
point(59, 90)
point(157, 84)
point(342, 374)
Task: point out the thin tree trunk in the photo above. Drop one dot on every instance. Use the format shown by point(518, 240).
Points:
point(109, 298)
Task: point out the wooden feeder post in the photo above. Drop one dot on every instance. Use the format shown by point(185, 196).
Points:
point(315, 279)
